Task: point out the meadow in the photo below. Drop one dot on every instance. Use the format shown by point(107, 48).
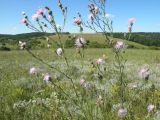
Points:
point(51, 74)
point(25, 96)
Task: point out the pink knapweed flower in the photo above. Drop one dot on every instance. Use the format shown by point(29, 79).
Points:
point(131, 20)
point(24, 21)
point(122, 112)
point(150, 108)
point(35, 16)
point(33, 70)
point(40, 11)
point(47, 77)
point(82, 81)
point(80, 42)
point(144, 73)
point(77, 21)
point(119, 45)
point(99, 61)
point(93, 9)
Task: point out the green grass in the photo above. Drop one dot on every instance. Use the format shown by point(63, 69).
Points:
point(28, 97)
point(136, 55)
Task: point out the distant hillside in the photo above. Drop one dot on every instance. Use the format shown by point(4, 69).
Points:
point(145, 38)
point(23, 36)
point(38, 40)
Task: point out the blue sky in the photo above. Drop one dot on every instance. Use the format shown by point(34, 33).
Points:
point(146, 13)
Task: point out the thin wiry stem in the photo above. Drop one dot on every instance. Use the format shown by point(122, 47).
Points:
point(52, 67)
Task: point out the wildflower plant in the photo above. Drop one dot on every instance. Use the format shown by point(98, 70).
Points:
point(45, 22)
point(91, 97)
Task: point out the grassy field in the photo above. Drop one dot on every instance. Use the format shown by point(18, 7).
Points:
point(28, 97)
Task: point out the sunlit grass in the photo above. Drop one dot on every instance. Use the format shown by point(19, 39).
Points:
point(24, 96)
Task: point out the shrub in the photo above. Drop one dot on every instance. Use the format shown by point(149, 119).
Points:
point(4, 48)
point(95, 44)
point(69, 43)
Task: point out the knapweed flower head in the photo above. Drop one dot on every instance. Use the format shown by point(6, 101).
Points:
point(35, 16)
point(59, 51)
point(22, 45)
point(119, 45)
point(77, 21)
point(33, 70)
point(24, 15)
point(40, 11)
point(49, 11)
point(63, 9)
point(131, 22)
point(150, 108)
point(99, 61)
point(82, 81)
point(47, 77)
point(24, 21)
point(60, 4)
point(122, 112)
point(80, 42)
point(93, 9)
point(144, 73)
point(91, 18)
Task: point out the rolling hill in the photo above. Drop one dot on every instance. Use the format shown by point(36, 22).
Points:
point(38, 40)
